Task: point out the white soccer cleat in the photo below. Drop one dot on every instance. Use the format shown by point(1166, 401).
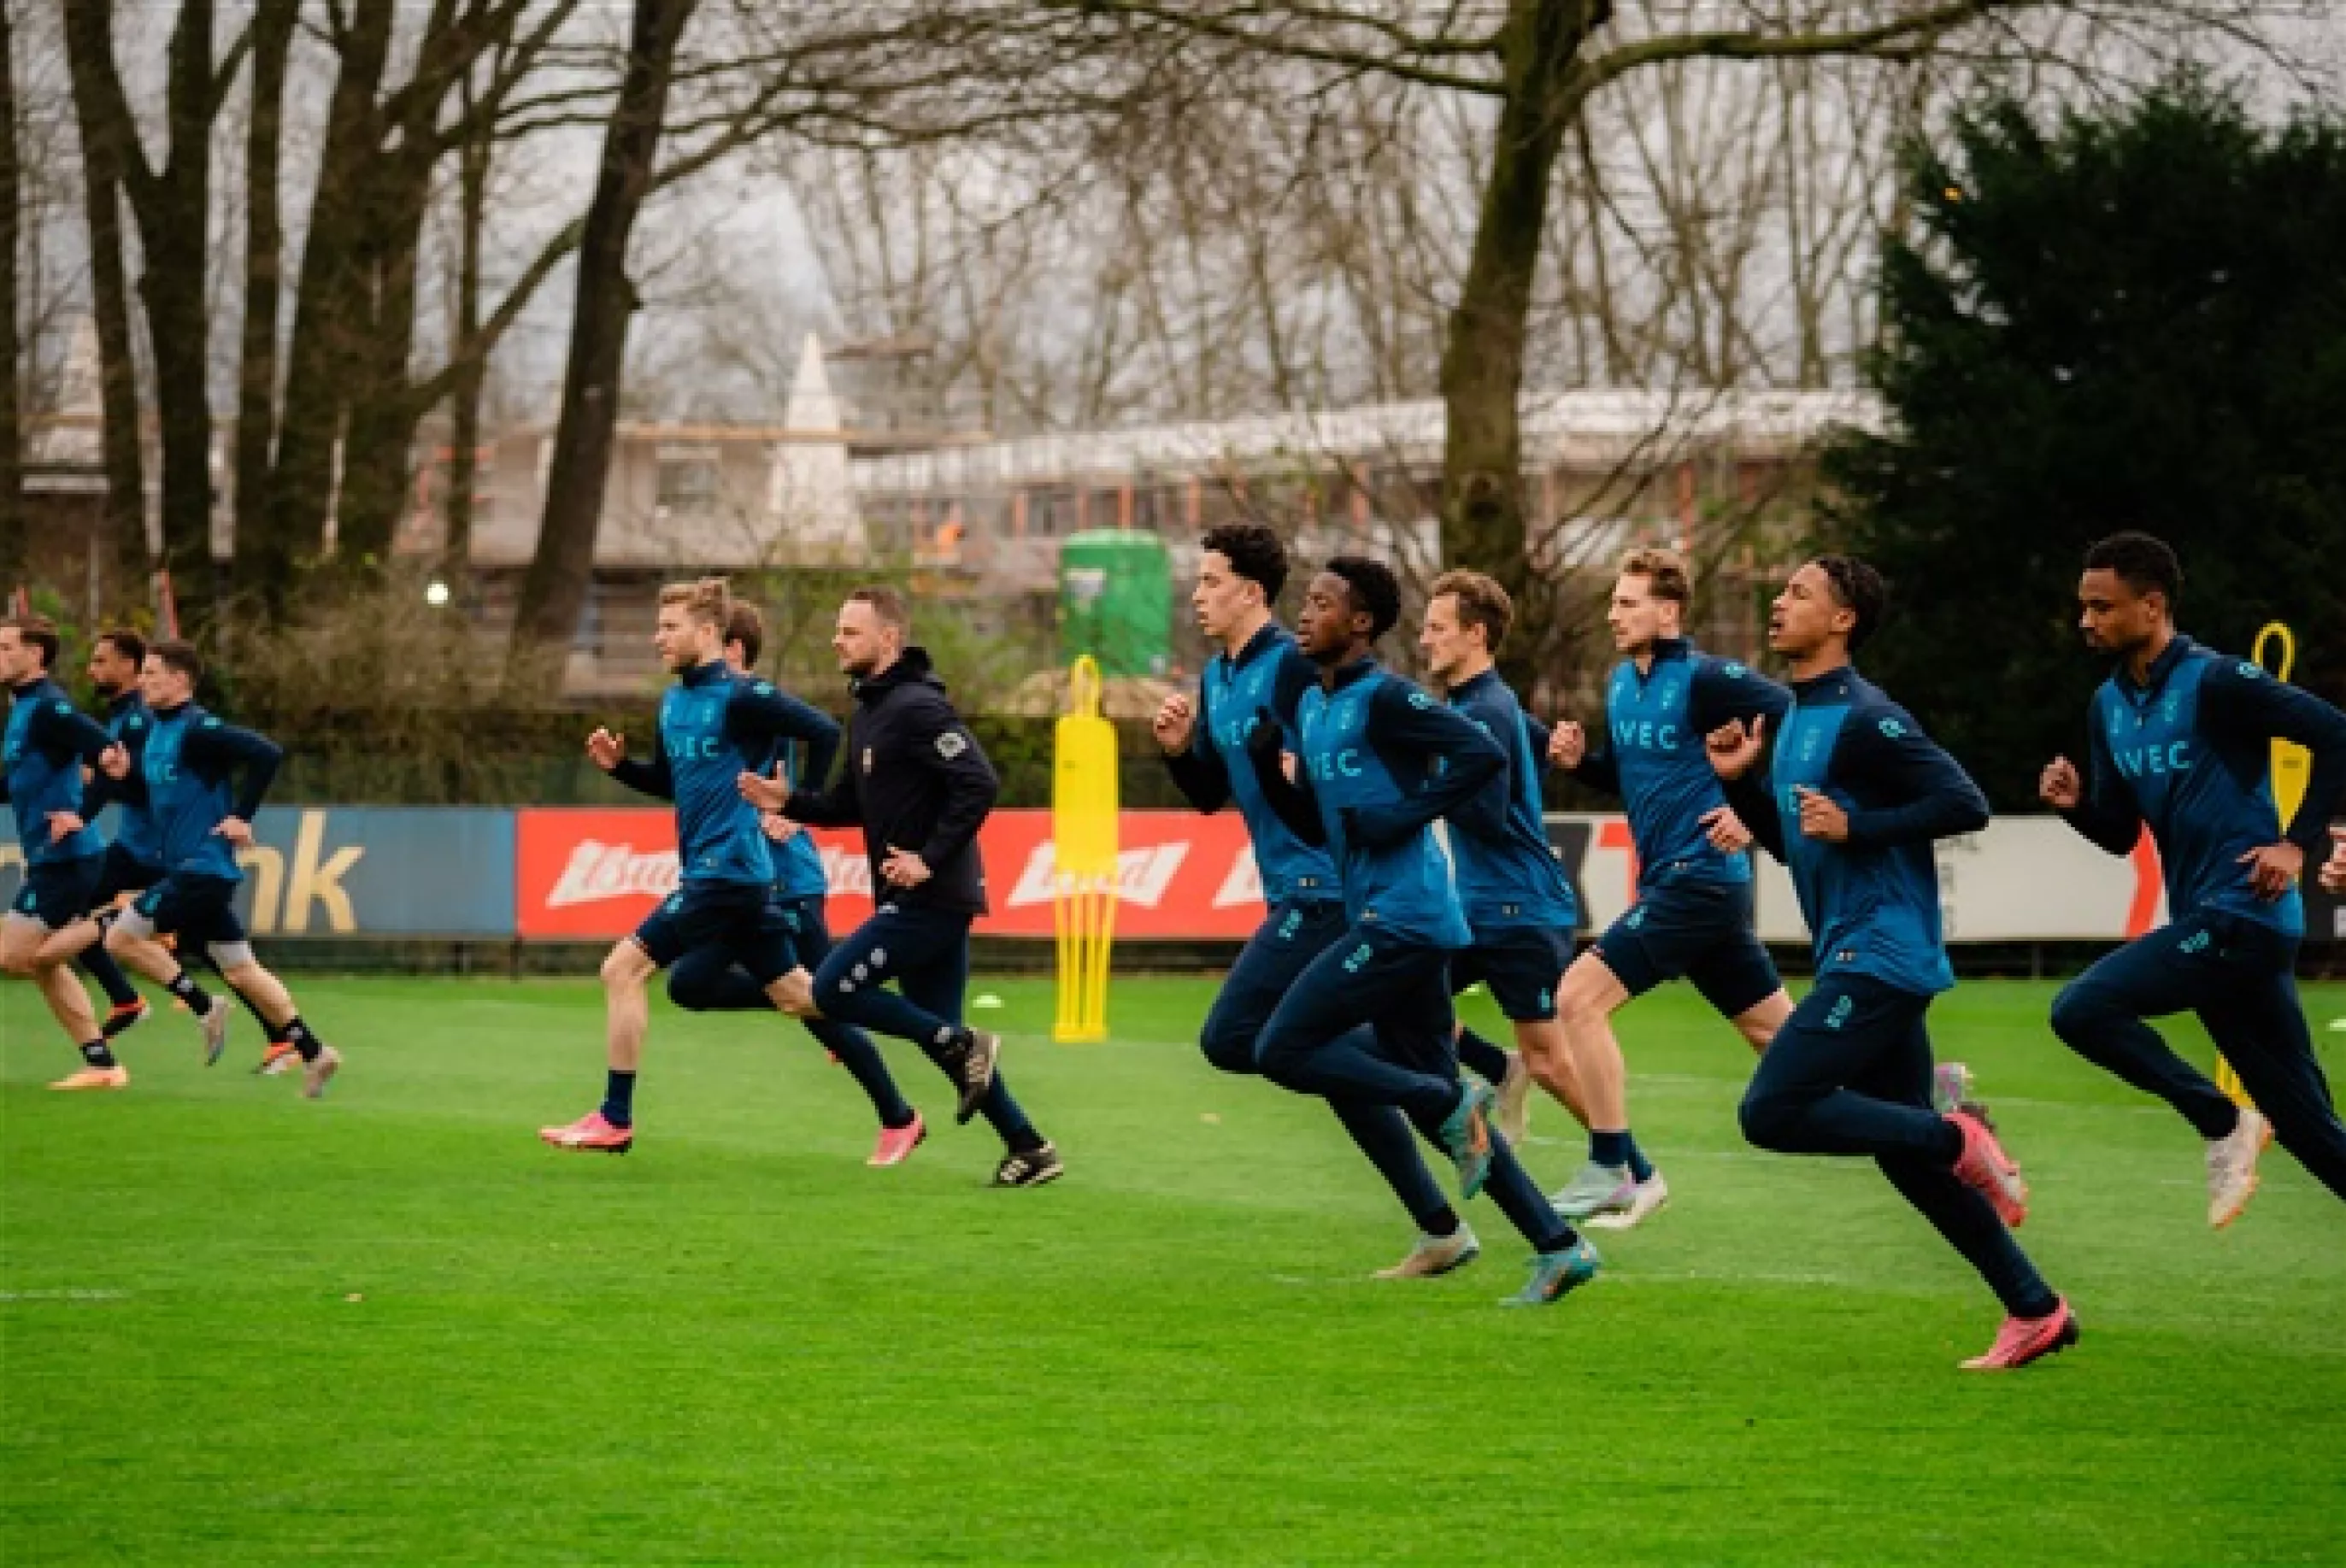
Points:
point(1433, 1256)
point(215, 1027)
point(2232, 1166)
point(1647, 1198)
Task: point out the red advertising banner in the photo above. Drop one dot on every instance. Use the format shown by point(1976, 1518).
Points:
point(595, 874)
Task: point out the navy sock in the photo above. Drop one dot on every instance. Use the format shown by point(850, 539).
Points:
point(183, 986)
point(297, 1034)
point(619, 1098)
point(99, 965)
point(1641, 1169)
point(1610, 1150)
point(1483, 1058)
point(97, 1055)
point(1442, 1224)
point(863, 1061)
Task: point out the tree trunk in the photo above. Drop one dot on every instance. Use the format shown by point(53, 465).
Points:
point(464, 400)
point(264, 258)
point(11, 424)
point(560, 573)
point(173, 211)
point(1483, 506)
point(331, 316)
point(105, 141)
point(385, 411)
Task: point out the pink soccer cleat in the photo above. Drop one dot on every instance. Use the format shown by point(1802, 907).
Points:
point(896, 1143)
point(2025, 1339)
point(591, 1134)
point(1987, 1169)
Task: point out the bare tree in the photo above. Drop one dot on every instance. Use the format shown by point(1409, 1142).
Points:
point(12, 413)
point(555, 589)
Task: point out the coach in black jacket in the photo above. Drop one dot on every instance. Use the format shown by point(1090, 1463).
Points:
point(917, 783)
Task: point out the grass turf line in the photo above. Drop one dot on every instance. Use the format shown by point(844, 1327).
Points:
point(738, 1344)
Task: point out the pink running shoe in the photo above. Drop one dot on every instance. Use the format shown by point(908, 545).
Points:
point(591, 1132)
point(1985, 1167)
point(896, 1143)
point(2025, 1339)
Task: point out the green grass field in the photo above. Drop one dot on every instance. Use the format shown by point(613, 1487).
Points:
point(391, 1326)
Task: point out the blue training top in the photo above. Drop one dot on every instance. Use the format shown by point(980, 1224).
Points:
point(1871, 902)
point(715, 726)
point(1380, 760)
point(798, 863)
point(49, 740)
point(1649, 751)
point(1261, 687)
point(2189, 752)
point(135, 833)
point(185, 768)
point(1508, 878)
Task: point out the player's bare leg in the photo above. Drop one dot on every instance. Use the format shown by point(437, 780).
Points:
point(267, 993)
point(1608, 1185)
point(610, 1127)
point(21, 939)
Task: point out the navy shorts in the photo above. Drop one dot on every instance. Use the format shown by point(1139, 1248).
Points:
point(199, 911)
point(57, 893)
point(743, 918)
point(1696, 930)
point(124, 873)
point(1521, 964)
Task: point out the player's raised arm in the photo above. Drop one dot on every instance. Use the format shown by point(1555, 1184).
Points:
point(2240, 701)
point(2094, 800)
point(1184, 728)
point(63, 729)
point(1285, 787)
point(1739, 755)
point(761, 711)
point(1404, 721)
point(1913, 791)
point(656, 778)
point(228, 750)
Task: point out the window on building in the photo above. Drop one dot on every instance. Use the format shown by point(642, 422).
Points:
point(688, 480)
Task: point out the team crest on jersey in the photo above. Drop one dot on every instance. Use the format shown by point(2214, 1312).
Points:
point(2250, 671)
point(1733, 670)
point(764, 689)
point(1416, 699)
point(952, 744)
point(1893, 729)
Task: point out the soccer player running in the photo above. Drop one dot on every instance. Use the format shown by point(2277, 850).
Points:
point(713, 723)
point(1379, 760)
point(711, 979)
point(47, 742)
point(201, 780)
point(917, 784)
point(1849, 798)
point(1520, 910)
point(2182, 740)
point(134, 858)
point(1256, 674)
point(1693, 919)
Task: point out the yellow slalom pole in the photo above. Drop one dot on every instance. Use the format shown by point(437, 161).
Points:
point(1084, 801)
point(2292, 770)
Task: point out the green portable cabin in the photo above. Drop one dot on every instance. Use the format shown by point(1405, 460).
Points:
point(1115, 600)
